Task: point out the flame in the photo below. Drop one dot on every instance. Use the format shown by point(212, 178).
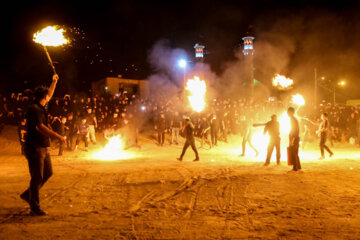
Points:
point(282, 82)
point(197, 88)
point(298, 100)
point(114, 150)
point(50, 36)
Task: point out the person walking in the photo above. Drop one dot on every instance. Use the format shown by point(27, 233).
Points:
point(190, 140)
point(323, 132)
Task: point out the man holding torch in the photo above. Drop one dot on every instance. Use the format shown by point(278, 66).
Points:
point(36, 145)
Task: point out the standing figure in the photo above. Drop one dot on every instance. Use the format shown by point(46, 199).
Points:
point(214, 129)
point(160, 126)
point(247, 139)
point(82, 133)
point(176, 125)
point(322, 132)
point(294, 140)
point(59, 126)
point(91, 120)
point(70, 131)
point(205, 132)
point(273, 129)
point(37, 142)
point(190, 140)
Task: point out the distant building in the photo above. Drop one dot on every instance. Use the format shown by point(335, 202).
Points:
point(115, 86)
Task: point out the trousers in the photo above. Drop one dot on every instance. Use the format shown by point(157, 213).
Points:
point(40, 169)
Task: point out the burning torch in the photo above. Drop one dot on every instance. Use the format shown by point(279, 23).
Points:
point(50, 36)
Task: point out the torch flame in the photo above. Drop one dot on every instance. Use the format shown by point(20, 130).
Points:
point(51, 36)
point(197, 88)
point(114, 150)
point(282, 82)
point(298, 100)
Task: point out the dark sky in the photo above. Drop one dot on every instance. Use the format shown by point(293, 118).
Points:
point(121, 34)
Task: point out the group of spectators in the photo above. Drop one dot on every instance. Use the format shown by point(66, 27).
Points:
point(78, 118)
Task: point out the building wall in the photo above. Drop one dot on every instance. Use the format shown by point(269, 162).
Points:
point(112, 85)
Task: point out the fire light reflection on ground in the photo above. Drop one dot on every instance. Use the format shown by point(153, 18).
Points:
point(113, 150)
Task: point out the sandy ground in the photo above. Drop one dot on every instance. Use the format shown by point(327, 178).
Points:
point(153, 196)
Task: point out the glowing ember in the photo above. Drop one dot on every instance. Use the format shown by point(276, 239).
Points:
point(114, 150)
point(298, 100)
point(51, 36)
point(197, 88)
point(282, 82)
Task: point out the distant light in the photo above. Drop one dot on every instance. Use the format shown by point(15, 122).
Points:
point(342, 83)
point(106, 87)
point(143, 108)
point(182, 63)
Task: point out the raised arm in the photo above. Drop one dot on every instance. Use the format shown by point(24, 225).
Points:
point(52, 87)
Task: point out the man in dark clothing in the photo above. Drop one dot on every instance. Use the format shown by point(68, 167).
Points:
point(160, 126)
point(58, 125)
point(190, 140)
point(205, 129)
point(36, 144)
point(82, 133)
point(70, 131)
point(294, 139)
point(323, 130)
point(214, 129)
point(273, 129)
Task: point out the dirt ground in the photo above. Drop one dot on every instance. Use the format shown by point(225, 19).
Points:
point(153, 196)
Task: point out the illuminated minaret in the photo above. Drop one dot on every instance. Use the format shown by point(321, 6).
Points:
point(199, 52)
point(248, 52)
point(248, 45)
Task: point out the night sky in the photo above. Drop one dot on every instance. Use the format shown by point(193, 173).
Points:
point(115, 37)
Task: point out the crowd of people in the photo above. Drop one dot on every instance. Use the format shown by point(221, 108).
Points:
point(78, 118)
point(71, 118)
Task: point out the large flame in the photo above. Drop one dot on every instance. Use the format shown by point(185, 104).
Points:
point(282, 82)
point(51, 36)
point(197, 89)
point(114, 150)
point(298, 100)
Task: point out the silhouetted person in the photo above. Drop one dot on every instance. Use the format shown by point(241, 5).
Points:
point(248, 139)
point(190, 140)
point(160, 126)
point(36, 146)
point(214, 129)
point(273, 129)
point(323, 130)
point(294, 139)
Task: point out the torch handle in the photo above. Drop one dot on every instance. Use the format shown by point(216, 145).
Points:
point(49, 58)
